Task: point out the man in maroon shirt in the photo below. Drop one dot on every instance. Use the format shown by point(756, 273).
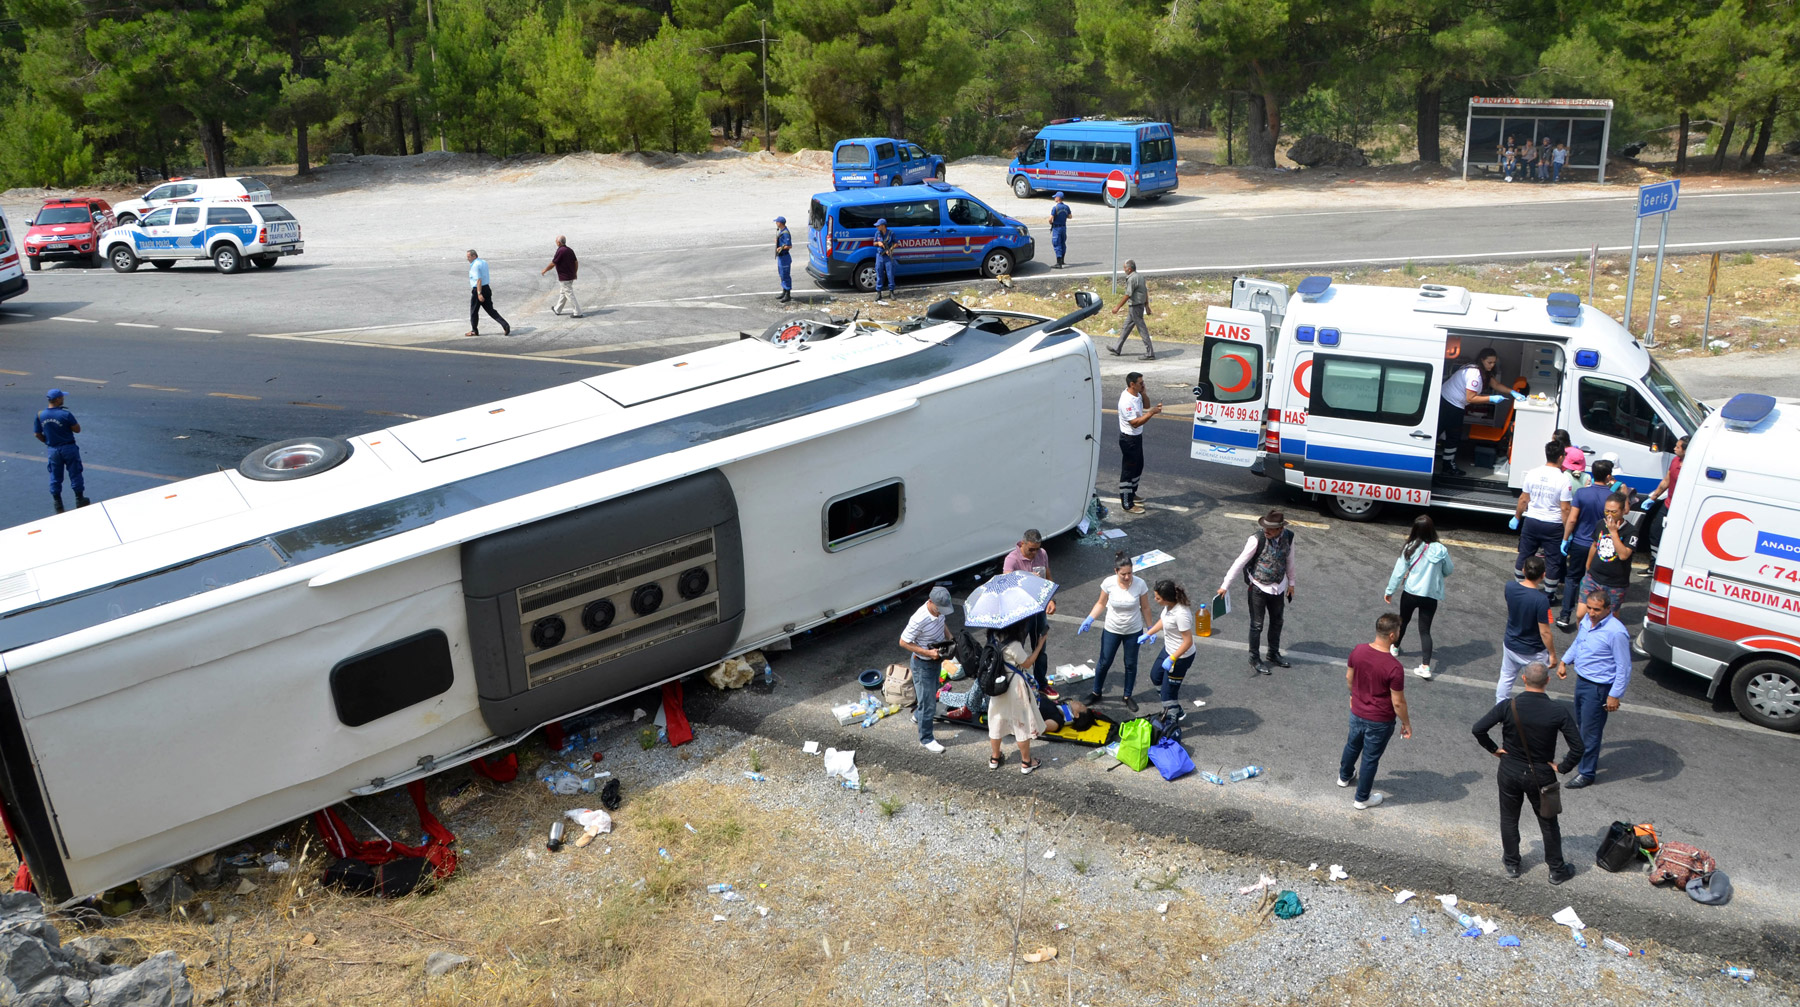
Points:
point(1377, 700)
point(563, 261)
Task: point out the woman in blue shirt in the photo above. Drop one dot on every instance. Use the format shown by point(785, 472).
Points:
point(1419, 577)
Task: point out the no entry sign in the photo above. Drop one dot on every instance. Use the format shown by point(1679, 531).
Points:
point(1118, 189)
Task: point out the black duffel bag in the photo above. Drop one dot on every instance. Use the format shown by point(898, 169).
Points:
point(1619, 849)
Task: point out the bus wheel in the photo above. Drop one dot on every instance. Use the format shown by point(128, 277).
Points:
point(1352, 508)
point(1767, 693)
point(1021, 187)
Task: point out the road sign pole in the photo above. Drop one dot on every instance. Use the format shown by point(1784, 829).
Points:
point(1712, 282)
point(1115, 276)
point(1637, 231)
point(1117, 192)
point(1662, 240)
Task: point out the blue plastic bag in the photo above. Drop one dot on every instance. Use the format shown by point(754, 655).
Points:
point(1170, 759)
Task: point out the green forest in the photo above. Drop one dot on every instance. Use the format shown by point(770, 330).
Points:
point(106, 90)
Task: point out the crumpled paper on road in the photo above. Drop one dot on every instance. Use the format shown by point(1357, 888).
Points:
point(842, 763)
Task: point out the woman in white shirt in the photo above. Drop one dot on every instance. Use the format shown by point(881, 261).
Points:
point(1177, 629)
point(1125, 599)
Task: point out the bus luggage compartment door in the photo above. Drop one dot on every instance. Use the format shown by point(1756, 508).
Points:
point(585, 607)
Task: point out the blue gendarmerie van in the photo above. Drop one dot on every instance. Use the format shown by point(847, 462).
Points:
point(1076, 155)
point(939, 228)
point(867, 162)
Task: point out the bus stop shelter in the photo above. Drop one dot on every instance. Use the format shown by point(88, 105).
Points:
point(1583, 124)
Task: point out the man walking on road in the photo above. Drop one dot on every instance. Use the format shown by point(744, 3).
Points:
point(563, 261)
point(481, 297)
point(1132, 417)
point(1601, 658)
point(1586, 506)
point(1269, 568)
point(1137, 296)
point(885, 269)
point(925, 632)
point(1529, 724)
point(784, 259)
point(1528, 638)
point(1377, 686)
point(1059, 228)
point(1544, 506)
point(56, 428)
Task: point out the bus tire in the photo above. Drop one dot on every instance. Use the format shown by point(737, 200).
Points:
point(1021, 187)
point(123, 259)
point(294, 458)
point(1767, 694)
point(1352, 508)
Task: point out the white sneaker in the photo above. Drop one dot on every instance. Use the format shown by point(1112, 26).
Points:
point(1373, 800)
point(1423, 671)
point(931, 746)
point(1346, 783)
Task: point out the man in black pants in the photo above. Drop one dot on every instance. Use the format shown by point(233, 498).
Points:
point(1268, 568)
point(481, 296)
point(1132, 416)
point(1529, 724)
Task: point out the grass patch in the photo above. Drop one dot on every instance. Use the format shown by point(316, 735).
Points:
point(1743, 259)
point(1081, 862)
point(890, 806)
point(756, 762)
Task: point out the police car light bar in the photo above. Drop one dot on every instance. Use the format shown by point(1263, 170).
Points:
point(1564, 308)
point(1313, 287)
point(1746, 410)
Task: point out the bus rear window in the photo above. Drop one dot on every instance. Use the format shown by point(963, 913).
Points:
point(854, 155)
point(1156, 151)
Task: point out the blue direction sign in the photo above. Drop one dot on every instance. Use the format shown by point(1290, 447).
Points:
point(1658, 197)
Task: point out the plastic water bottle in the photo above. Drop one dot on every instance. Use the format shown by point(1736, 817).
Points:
point(1211, 777)
point(1463, 920)
point(1580, 939)
point(758, 777)
point(1418, 928)
point(1615, 947)
point(1240, 775)
point(1737, 973)
point(718, 889)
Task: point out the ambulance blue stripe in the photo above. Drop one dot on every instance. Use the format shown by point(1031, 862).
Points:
point(1226, 436)
point(1370, 459)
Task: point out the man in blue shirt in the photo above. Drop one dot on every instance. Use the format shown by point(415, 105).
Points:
point(884, 260)
point(1585, 510)
point(784, 259)
point(1059, 228)
point(1601, 659)
point(481, 297)
point(56, 427)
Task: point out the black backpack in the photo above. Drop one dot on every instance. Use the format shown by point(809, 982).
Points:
point(391, 880)
point(992, 671)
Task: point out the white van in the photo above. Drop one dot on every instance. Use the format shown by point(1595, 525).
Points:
point(12, 271)
point(193, 190)
point(1336, 392)
point(1725, 602)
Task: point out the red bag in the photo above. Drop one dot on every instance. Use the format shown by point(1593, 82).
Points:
point(343, 844)
point(1680, 863)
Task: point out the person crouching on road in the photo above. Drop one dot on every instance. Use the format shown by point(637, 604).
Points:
point(1015, 711)
point(563, 261)
point(1419, 577)
point(1177, 630)
point(925, 633)
point(1268, 567)
point(1377, 686)
point(1529, 723)
point(1124, 597)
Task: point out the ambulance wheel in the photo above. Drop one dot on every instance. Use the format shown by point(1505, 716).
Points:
point(123, 259)
point(864, 277)
point(295, 458)
point(1022, 187)
point(265, 261)
point(34, 263)
point(1352, 508)
point(1767, 693)
point(227, 259)
point(998, 262)
point(163, 263)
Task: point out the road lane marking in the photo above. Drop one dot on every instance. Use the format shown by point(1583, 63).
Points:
point(22, 374)
point(384, 412)
point(315, 405)
point(1320, 525)
point(210, 332)
point(85, 381)
point(643, 344)
point(136, 325)
point(438, 349)
point(17, 314)
point(1464, 543)
point(100, 468)
point(229, 395)
point(360, 328)
point(157, 388)
point(84, 321)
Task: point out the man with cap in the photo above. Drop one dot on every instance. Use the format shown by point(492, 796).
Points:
point(1269, 570)
point(784, 259)
point(925, 633)
point(1137, 295)
point(1059, 228)
point(884, 260)
point(56, 427)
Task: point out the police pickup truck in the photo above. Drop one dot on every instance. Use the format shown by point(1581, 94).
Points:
point(230, 234)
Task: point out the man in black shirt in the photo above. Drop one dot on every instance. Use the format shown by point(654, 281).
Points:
point(1529, 724)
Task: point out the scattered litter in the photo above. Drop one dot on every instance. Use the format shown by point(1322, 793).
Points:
point(719, 919)
point(1288, 905)
point(718, 888)
point(732, 674)
point(1402, 895)
point(1049, 854)
point(1042, 954)
point(662, 853)
point(1113, 533)
point(638, 714)
point(1212, 777)
point(842, 763)
point(1198, 703)
point(1508, 942)
point(1738, 973)
point(1313, 866)
point(1162, 908)
point(1418, 928)
point(592, 822)
point(1616, 948)
point(1266, 882)
point(246, 886)
point(1566, 916)
point(810, 748)
point(734, 897)
point(278, 867)
point(1060, 926)
point(1449, 902)
point(1338, 873)
point(1155, 557)
point(690, 828)
point(762, 910)
point(1472, 932)
point(439, 963)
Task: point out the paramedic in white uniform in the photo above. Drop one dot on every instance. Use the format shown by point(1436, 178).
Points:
point(1464, 385)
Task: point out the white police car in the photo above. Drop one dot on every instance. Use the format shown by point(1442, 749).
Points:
point(177, 191)
point(230, 234)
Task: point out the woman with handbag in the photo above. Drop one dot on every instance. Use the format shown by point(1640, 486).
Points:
point(1529, 723)
point(1419, 577)
point(1014, 708)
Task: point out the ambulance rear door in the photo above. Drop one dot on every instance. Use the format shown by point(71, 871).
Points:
point(1229, 398)
point(1371, 424)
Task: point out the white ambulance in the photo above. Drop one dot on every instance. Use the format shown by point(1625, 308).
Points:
point(1725, 603)
point(1336, 392)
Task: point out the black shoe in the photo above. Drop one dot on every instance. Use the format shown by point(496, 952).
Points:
point(1149, 356)
point(1558, 877)
point(1453, 470)
point(1578, 782)
point(81, 501)
point(1277, 660)
point(1565, 625)
point(1514, 870)
point(1093, 699)
point(1112, 351)
point(1131, 704)
point(59, 504)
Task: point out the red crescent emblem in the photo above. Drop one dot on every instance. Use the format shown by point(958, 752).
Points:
point(1245, 366)
point(1300, 377)
point(1709, 533)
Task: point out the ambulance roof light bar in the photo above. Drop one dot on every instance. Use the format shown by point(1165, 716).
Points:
point(1313, 287)
point(1746, 410)
point(1564, 308)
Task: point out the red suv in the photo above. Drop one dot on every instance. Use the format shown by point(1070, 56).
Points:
point(68, 229)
